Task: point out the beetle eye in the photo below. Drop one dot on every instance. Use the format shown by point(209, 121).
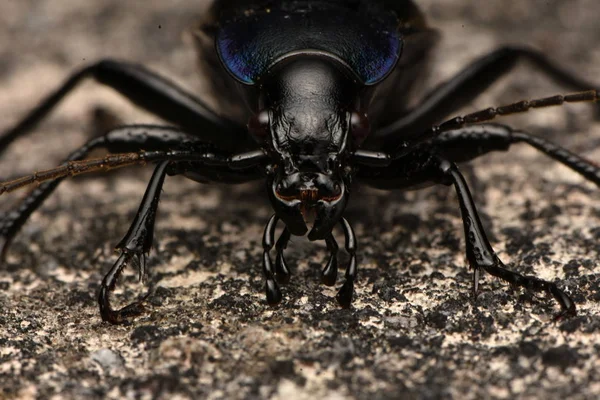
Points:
point(360, 127)
point(258, 125)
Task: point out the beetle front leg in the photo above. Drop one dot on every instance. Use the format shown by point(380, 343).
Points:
point(134, 247)
point(480, 253)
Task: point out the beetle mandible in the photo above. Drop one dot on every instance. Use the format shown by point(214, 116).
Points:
point(317, 79)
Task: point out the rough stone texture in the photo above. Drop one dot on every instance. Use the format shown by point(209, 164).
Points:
point(413, 330)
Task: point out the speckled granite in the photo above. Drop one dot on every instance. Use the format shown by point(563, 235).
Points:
point(413, 331)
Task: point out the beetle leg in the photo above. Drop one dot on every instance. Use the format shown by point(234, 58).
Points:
point(463, 88)
point(489, 114)
point(134, 247)
point(149, 91)
point(123, 139)
point(330, 272)
point(344, 296)
point(469, 143)
point(271, 287)
point(480, 253)
point(282, 271)
point(422, 166)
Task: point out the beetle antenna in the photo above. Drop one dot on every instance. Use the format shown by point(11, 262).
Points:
point(488, 114)
point(111, 161)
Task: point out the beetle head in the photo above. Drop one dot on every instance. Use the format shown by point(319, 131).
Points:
point(305, 123)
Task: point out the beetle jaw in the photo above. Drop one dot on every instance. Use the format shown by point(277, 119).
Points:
point(308, 204)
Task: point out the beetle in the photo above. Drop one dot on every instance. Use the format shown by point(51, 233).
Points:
point(324, 85)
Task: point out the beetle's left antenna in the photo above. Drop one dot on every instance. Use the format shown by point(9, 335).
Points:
point(111, 161)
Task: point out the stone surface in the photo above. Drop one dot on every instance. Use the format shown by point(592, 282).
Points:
point(413, 330)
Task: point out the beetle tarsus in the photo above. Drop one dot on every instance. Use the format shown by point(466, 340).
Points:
point(481, 254)
point(117, 317)
point(109, 282)
point(568, 307)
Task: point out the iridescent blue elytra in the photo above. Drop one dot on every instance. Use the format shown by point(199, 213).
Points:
point(248, 46)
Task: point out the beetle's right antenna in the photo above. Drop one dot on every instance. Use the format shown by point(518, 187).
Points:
point(589, 96)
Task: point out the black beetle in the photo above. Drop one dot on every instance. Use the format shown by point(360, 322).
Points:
point(325, 84)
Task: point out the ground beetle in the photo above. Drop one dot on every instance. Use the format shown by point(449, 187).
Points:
point(325, 84)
